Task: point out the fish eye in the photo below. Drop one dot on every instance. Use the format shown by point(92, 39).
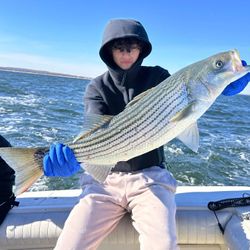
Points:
point(219, 64)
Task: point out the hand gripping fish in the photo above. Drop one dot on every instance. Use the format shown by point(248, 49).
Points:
point(169, 110)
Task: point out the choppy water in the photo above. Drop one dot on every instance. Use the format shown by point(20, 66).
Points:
point(36, 110)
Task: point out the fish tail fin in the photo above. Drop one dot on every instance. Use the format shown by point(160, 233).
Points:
point(27, 164)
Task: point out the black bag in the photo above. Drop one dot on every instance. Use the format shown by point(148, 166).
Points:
point(7, 180)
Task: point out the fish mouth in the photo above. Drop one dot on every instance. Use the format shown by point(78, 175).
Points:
point(237, 65)
point(236, 61)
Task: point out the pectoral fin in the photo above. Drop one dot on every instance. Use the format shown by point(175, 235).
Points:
point(183, 113)
point(190, 137)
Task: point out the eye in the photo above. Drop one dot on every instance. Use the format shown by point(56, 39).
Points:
point(219, 64)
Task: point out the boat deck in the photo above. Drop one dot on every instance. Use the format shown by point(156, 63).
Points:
point(39, 219)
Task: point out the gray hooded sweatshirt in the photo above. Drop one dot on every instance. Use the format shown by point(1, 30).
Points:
point(109, 93)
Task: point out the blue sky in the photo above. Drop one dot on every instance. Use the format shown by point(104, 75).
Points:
point(65, 36)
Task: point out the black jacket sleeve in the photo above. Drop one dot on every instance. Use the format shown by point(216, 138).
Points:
point(93, 100)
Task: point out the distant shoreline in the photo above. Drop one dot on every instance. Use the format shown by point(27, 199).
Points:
point(42, 72)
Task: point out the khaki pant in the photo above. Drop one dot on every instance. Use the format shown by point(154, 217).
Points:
point(148, 195)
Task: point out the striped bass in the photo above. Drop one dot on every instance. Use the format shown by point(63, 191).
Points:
point(153, 118)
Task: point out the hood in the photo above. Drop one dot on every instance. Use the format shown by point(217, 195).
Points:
point(122, 28)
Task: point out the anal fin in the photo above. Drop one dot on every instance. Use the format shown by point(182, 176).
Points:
point(190, 137)
point(98, 172)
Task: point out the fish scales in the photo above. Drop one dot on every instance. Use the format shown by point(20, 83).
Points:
point(141, 128)
point(117, 123)
point(128, 116)
point(132, 129)
point(147, 129)
point(152, 133)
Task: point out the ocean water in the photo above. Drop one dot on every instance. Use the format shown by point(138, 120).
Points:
point(37, 110)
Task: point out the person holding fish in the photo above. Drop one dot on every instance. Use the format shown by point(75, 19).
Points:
point(141, 186)
point(131, 112)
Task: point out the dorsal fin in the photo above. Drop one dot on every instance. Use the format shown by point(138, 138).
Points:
point(93, 122)
point(138, 97)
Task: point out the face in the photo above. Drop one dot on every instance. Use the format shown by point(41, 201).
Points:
point(126, 56)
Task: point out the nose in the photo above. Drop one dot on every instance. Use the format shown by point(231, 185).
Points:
point(127, 51)
point(126, 54)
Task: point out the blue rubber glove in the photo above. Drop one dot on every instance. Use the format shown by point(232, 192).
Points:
point(237, 86)
point(60, 161)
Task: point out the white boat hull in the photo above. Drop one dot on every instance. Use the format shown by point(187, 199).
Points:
point(39, 219)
